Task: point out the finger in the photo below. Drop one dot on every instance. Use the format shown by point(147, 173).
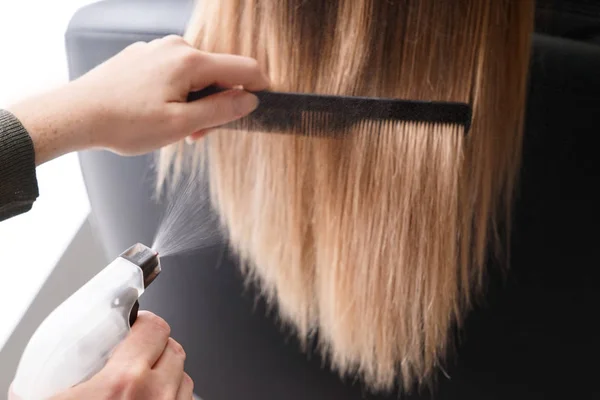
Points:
point(186, 389)
point(145, 344)
point(217, 110)
point(169, 366)
point(227, 70)
point(197, 135)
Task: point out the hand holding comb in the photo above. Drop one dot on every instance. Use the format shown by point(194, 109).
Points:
point(318, 115)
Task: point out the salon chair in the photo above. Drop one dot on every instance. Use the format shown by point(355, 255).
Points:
point(532, 337)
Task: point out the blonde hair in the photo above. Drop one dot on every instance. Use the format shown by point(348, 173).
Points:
point(377, 239)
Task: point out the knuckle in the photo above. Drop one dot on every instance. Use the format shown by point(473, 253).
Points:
point(173, 39)
point(177, 348)
point(191, 57)
point(188, 380)
point(157, 323)
point(176, 119)
point(136, 46)
point(128, 381)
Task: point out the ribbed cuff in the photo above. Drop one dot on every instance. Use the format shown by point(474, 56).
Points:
point(18, 181)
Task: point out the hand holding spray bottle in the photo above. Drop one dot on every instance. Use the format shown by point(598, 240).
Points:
point(76, 340)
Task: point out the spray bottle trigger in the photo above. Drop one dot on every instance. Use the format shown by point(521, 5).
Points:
point(134, 313)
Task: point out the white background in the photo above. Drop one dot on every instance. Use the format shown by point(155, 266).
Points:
point(32, 59)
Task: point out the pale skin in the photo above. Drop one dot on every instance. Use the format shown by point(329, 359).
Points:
point(148, 364)
point(133, 104)
point(136, 102)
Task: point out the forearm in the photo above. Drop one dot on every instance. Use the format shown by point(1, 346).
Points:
point(58, 122)
point(37, 130)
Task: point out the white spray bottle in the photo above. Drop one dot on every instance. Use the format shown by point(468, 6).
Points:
point(75, 341)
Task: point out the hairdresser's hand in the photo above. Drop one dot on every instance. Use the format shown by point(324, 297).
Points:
point(136, 102)
point(148, 365)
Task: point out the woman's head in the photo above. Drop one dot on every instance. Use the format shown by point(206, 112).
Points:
point(377, 239)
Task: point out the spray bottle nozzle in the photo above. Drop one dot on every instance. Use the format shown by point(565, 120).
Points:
point(145, 258)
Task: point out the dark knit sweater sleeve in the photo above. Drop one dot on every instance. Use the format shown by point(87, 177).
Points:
point(18, 182)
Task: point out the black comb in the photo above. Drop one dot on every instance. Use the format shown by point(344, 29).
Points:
point(325, 114)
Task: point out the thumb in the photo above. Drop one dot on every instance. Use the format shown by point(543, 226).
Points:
point(219, 109)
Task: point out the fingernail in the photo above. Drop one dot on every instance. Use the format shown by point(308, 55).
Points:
point(244, 103)
point(189, 140)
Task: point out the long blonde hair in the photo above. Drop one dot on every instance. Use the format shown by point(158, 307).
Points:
point(376, 240)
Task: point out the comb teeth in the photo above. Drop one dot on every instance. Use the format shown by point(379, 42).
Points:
point(313, 124)
point(324, 115)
